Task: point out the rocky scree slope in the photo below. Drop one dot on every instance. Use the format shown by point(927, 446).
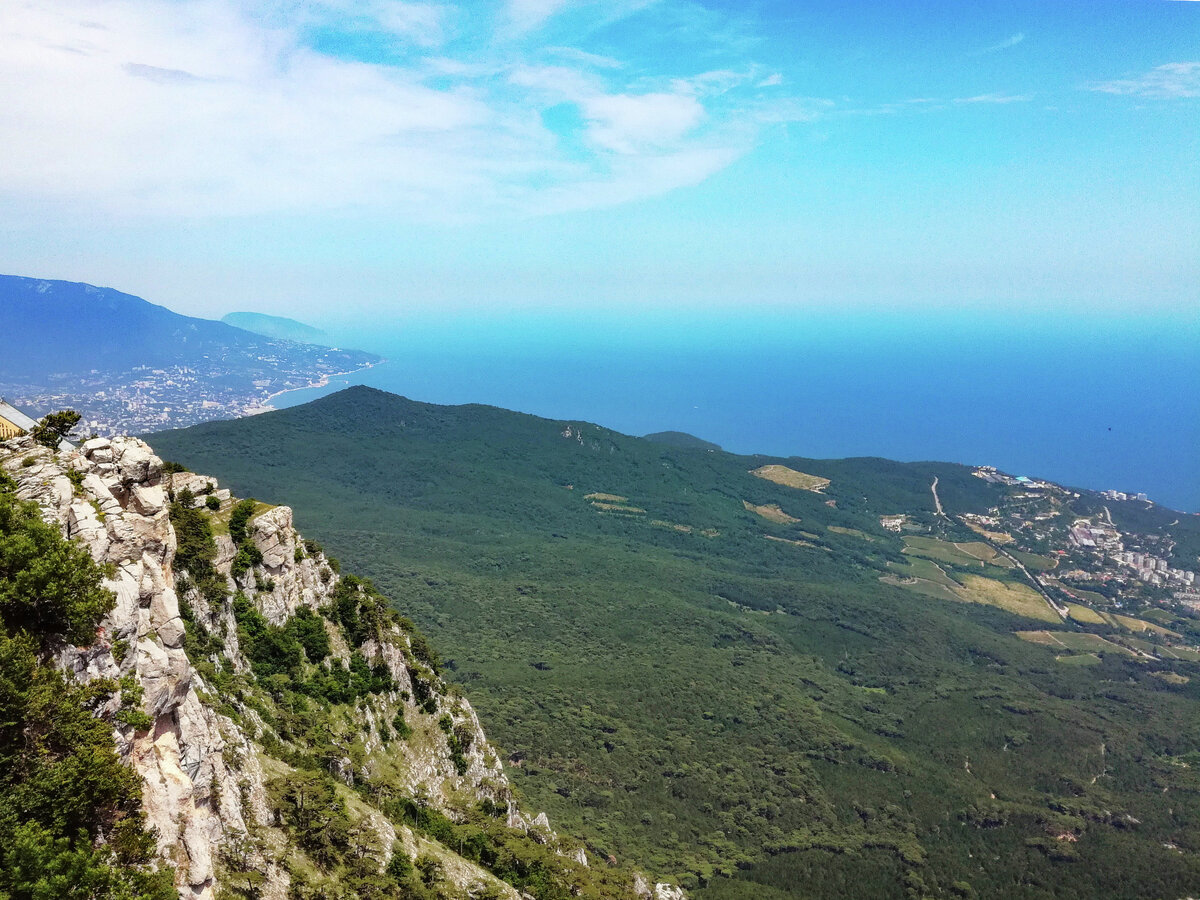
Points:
point(297, 738)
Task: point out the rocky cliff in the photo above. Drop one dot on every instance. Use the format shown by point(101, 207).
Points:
point(297, 740)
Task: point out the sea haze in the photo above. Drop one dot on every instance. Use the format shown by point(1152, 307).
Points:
point(1102, 403)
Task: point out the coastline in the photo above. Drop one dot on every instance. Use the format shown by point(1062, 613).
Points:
point(266, 405)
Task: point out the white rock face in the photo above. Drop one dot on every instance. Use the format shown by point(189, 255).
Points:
point(120, 514)
point(203, 786)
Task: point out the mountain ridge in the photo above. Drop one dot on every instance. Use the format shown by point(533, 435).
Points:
point(279, 327)
point(753, 684)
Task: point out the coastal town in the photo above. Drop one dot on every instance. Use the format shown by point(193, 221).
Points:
point(1096, 559)
point(146, 399)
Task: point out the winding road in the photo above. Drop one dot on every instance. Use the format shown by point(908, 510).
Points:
point(1034, 583)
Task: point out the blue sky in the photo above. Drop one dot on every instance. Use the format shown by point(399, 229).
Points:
point(376, 158)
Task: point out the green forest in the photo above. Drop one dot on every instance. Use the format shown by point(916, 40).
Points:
point(71, 825)
point(700, 672)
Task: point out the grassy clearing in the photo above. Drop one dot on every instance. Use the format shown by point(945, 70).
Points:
point(1045, 638)
point(921, 586)
point(617, 507)
point(1085, 615)
point(770, 512)
point(1081, 659)
point(852, 532)
point(1090, 643)
point(1089, 597)
point(1014, 598)
point(1161, 616)
point(220, 520)
point(791, 478)
point(997, 537)
point(1171, 677)
point(608, 498)
point(1184, 653)
point(771, 537)
point(1139, 625)
point(924, 569)
point(942, 551)
point(663, 523)
point(1075, 641)
point(977, 549)
point(982, 551)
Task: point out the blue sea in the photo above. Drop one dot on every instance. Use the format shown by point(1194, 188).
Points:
point(1096, 401)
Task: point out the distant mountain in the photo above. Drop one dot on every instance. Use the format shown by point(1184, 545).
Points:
point(280, 327)
point(131, 365)
point(779, 678)
point(681, 439)
point(62, 326)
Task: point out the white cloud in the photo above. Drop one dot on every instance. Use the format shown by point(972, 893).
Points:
point(528, 15)
point(626, 123)
point(592, 60)
point(170, 108)
point(1005, 44)
point(1166, 82)
point(995, 98)
point(771, 80)
point(423, 24)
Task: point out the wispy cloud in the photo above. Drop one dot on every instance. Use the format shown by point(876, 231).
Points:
point(154, 108)
point(528, 15)
point(592, 60)
point(995, 98)
point(1166, 82)
point(1010, 41)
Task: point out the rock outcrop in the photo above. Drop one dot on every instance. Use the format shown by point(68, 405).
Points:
point(202, 762)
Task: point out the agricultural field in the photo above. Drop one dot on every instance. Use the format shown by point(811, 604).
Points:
point(926, 570)
point(983, 552)
point(791, 478)
point(970, 555)
point(1085, 615)
point(1140, 625)
point(1017, 599)
point(1186, 654)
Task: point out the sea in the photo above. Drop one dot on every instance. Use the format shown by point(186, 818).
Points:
point(1096, 401)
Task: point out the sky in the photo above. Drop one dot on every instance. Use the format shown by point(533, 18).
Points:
point(366, 159)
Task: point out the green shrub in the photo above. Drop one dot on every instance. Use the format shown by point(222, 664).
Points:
point(238, 520)
point(71, 824)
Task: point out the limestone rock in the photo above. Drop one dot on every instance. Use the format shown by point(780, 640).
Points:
point(204, 788)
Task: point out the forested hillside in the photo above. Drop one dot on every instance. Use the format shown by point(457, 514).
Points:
point(691, 658)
